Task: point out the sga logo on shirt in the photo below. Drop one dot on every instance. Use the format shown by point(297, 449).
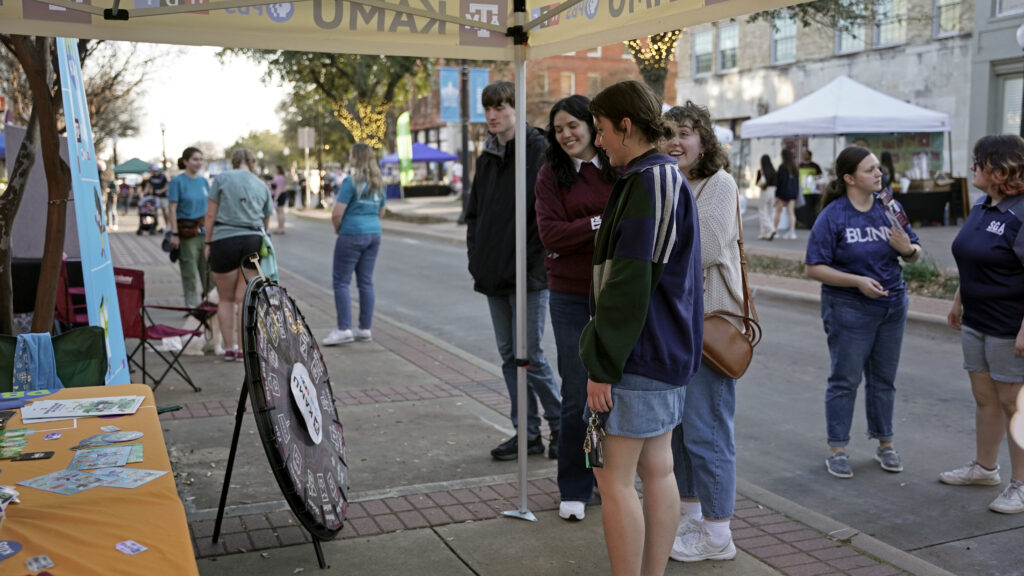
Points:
point(996, 227)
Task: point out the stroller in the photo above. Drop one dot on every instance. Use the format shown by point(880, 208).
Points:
point(148, 208)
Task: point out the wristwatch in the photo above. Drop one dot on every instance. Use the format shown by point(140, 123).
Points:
point(913, 252)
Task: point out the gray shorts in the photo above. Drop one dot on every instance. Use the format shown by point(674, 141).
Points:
point(643, 407)
point(984, 353)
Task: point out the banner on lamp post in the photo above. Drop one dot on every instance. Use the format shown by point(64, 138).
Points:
point(451, 95)
point(403, 142)
point(479, 78)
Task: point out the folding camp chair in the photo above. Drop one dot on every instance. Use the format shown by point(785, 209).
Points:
point(71, 306)
point(137, 324)
point(80, 355)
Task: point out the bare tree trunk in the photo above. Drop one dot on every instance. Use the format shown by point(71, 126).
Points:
point(655, 80)
point(9, 204)
point(34, 54)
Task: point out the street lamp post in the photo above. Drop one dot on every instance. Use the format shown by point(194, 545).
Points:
point(163, 145)
point(1020, 44)
point(259, 162)
point(115, 149)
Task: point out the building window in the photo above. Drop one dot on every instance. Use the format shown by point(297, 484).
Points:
point(595, 53)
point(702, 48)
point(947, 18)
point(1009, 7)
point(567, 83)
point(541, 80)
point(593, 84)
point(890, 22)
point(1010, 107)
point(849, 38)
point(728, 46)
point(784, 39)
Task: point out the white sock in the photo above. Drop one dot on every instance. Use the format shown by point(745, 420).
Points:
point(719, 532)
point(691, 509)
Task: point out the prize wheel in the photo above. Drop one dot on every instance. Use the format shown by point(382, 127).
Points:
point(293, 404)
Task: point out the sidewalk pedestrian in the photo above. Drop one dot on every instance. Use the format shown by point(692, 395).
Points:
point(703, 446)
point(237, 215)
point(279, 192)
point(854, 251)
point(988, 309)
point(356, 220)
point(572, 189)
point(188, 197)
point(490, 246)
point(766, 177)
point(643, 342)
point(787, 187)
point(156, 185)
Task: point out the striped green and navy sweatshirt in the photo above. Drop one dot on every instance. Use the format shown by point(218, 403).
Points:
point(647, 310)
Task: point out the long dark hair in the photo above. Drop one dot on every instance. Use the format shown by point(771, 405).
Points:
point(633, 100)
point(561, 163)
point(789, 162)
point(846, 163)
point(767, 170)
point(713, 157)
point(888, 168)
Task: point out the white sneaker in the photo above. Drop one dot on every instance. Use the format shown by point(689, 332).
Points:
point(697, 546)
point(791, 235)
point(970, 474)
point(572, 510)
point(687, 525)
point(1011, 501)
point(338, 337)
point(362, 335)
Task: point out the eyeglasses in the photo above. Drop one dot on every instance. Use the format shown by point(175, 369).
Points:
point(975, 164)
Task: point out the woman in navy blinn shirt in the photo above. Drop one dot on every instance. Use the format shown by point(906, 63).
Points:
point(854, 251)
point(988, 309)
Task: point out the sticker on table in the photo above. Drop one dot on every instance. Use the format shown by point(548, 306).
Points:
point(100, 458)
point(8, 548)
point(65, 482)
point(52, 436)
point(126, 477)
point(130, 547)
point(37, 563)
point(107, 438)
point(110, 428)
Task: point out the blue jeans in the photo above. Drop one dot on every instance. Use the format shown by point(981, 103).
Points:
point(540, 379)
point(703, 448)
point(569, 314)
point(864, 341)
point(354, 253)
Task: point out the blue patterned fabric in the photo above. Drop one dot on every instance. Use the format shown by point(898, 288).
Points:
point(34, 364)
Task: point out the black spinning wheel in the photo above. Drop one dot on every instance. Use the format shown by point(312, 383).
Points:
point(293, 405)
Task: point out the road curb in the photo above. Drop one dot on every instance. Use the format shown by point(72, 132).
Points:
point(772, 293)
point(841, 532)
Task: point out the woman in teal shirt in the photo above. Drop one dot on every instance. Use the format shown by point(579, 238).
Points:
point(188, 197)
point(356, 218)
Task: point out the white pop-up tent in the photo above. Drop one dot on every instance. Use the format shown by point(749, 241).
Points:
point(844, 106)
point(516, 30)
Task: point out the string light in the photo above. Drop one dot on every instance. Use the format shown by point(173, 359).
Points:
point(371, 124)
point(655, 51)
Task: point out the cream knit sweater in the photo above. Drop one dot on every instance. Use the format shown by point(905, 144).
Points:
point(719, 232)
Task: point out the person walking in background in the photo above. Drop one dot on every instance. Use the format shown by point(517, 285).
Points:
point(988, 309)
point(888, 171)
point(188, 197)
point(643, 342)
point(787, 186)
point(279, 192)
point(237, 215)
point(490, 247)
point(356, 220)
point(572, 190)
point(111, 205)
point(157, 186)
point(766, 182)
point(703, 446)
point(854, 251)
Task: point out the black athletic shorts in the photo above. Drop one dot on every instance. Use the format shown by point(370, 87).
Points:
point(227, 254)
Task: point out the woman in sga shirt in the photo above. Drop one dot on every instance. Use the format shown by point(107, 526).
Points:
point(988, 309)
point(854, 251)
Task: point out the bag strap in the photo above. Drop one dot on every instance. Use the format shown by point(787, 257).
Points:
point(748, 302)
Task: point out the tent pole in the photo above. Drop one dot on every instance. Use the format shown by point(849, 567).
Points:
point(518, 35)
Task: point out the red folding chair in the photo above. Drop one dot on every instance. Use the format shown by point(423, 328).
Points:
point(71, 307)
point(138, 325)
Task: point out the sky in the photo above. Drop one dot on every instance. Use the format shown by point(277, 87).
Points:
point(197, 98)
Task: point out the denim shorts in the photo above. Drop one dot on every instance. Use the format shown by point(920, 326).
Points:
point(643, 407)
point(983, 353)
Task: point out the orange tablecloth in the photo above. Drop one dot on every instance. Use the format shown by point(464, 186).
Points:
point(78, 532)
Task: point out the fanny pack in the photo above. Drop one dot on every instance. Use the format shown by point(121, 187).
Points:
point(188, 228)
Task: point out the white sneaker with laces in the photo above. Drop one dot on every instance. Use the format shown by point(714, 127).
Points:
point(697, 546)
point(572, 510)
point(1011, 501)
point(338, 337)
point(971, 474)
point(362, 335)
point(791, 235)
point(687, 525)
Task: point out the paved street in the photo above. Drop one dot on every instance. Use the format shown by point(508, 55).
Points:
point(423, 289)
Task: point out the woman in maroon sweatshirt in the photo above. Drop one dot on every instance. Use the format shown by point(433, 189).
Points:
point(571, 191)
